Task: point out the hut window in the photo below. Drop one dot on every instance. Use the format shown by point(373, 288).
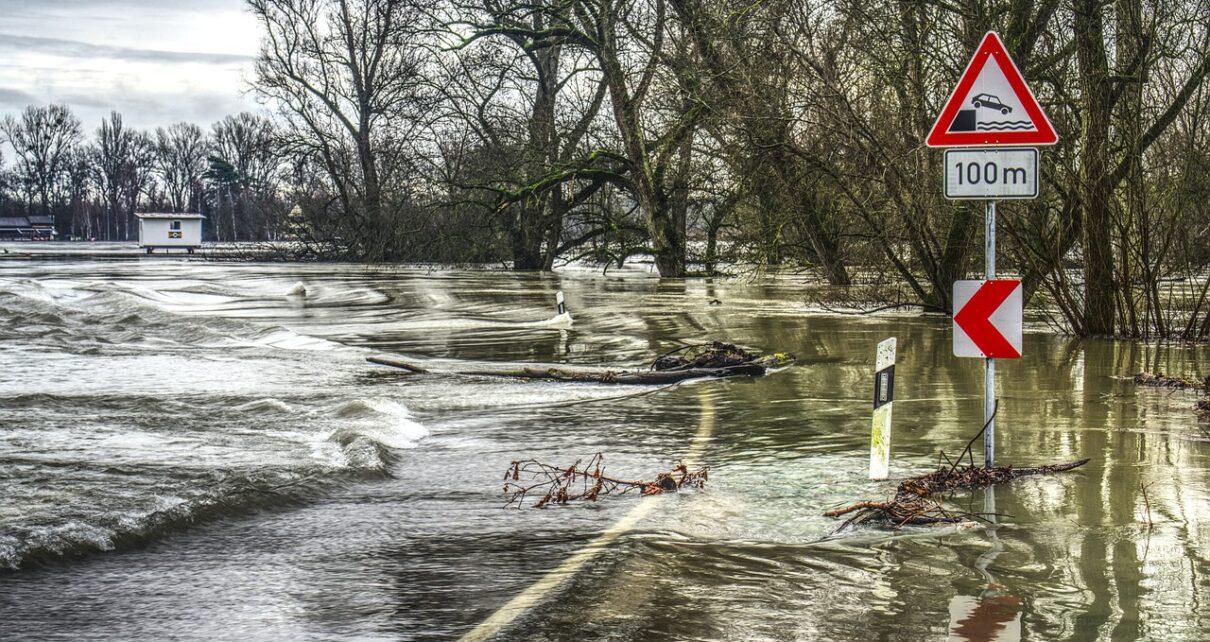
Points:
point(176, 225)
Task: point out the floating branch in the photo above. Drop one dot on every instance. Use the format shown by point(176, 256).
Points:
point(560, 485)
point(710, 360)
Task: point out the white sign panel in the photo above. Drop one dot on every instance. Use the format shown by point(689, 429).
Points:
point(991, 105)
point(991, 173)
point(988, 319)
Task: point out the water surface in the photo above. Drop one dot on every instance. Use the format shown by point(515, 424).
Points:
point(186, 452)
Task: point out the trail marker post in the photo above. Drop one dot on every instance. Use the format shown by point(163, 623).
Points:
point(559, 305)
point(884, 396)
point(991, 108)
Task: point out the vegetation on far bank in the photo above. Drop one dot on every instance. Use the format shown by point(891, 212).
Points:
point(784, 134)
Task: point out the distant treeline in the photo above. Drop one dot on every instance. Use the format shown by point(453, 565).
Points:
point(711, 134)
point(93, 186)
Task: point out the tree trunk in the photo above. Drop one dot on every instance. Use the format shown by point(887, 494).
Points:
point(1099, 285)
point(527, 235)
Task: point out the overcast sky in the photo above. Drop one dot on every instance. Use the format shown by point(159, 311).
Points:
point(155, 61)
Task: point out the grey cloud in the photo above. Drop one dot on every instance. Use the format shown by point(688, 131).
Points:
point(16, 97)
point(26, 7)
point(78, 49)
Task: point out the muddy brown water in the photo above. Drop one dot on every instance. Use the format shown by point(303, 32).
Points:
point(188, 453)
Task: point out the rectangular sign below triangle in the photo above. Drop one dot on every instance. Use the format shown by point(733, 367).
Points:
point(988, 319)
point(991, 105)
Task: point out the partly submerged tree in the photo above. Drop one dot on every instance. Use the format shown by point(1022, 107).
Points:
point(345, 75)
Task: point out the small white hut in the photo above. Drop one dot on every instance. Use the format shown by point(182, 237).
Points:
point(168, 230)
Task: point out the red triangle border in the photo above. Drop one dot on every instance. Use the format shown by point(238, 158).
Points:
point(991, 47)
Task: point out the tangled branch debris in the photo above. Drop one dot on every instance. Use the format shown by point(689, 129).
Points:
point(588, 482)
point(1160, 380)
point(711, 360)
point(715, 354)
point(918, 500)
point(1201, 407)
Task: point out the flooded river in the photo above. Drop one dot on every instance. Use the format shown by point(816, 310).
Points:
point(187, 452)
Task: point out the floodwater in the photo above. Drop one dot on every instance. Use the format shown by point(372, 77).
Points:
point(186, 452)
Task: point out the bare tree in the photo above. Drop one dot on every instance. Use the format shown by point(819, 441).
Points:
point(42, 139)
point(111, 168)
point(180, 162)
point(535, 103)
point(646, 68)
point(244, 163)
point(345, 74)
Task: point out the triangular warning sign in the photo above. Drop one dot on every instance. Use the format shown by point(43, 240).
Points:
point(991, 105)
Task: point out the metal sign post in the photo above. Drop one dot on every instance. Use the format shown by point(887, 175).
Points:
point(989, 364)
point(991, 108)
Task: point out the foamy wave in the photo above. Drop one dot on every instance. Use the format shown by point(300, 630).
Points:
point(268, 405)
point(79, 537)
point(371, 429)
point(109, 314)
point(287, 339)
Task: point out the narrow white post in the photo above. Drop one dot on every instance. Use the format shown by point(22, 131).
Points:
point(989, 368)
point(559, 302)
point(884, 395)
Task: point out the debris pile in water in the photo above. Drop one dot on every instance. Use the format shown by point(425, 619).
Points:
point(915, 501)
point(1161, 380)
point(588, 482)
point(918, 500)
point(715, 354)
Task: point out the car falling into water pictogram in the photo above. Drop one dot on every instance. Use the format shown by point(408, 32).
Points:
point(991, 102)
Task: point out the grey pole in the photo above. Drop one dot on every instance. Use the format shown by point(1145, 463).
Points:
point(989, 368)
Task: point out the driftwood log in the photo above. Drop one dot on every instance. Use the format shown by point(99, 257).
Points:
point(714, 360)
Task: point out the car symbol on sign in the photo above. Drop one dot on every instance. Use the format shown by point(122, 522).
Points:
point(991, 102)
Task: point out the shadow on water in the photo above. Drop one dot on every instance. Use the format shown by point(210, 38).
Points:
point(184, 374)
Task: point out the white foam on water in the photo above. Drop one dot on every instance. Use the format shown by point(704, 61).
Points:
point(268, 405)
point(363, 427)
point(557, 321)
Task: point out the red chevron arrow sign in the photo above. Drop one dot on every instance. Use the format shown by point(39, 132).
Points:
point(988, 318)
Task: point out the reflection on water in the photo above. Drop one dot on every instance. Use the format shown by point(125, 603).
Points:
point(187, 450)
point(995, 618)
